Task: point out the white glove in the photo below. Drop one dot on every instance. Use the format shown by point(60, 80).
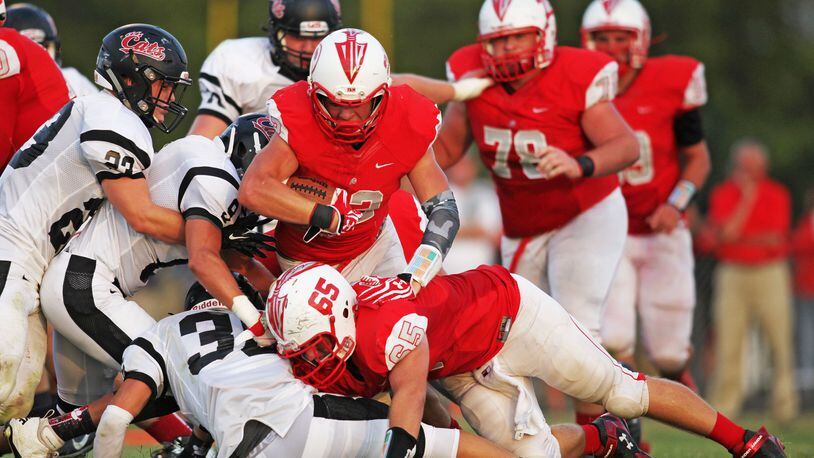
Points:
point(469, 88)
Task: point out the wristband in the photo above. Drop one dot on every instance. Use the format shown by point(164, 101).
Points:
point(586, 164)
point(682, 195)
point(425, 263)
point(322, 216)
point(398, 443)
point(244, 309)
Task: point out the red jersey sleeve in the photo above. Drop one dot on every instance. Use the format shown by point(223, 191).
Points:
point(465, 61)
point(408, 220)
point(685, 78)
point(386, 335)
point(593, 76)
point(417, 122)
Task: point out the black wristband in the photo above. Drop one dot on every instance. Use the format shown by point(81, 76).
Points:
point(322, 216)
point(586, 164)
point(398, 443)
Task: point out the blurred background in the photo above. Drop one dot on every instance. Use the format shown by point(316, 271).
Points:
point(759, 58)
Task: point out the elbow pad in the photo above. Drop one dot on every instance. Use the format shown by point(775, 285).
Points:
point(443, 221)
point(688, 128)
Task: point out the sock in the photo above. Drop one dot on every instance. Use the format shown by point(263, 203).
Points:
point(73, 424)
point(726, 433)
point(585, 418)
point(168, 427)
point(592, 442)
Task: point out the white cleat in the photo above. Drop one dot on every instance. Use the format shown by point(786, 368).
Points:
point(32, 438)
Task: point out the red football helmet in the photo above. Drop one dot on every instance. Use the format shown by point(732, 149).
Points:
point(500, 18)
point(349, 68)
point(311, 311)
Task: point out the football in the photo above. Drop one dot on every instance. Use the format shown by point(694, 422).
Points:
point(314, 189)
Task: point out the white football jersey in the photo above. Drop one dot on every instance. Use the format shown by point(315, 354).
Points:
point(238, 78)
point(52, 184)
point(219, 378)
point(78, 84)
point(191, 175)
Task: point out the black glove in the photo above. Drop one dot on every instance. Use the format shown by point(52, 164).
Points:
point(243, 237)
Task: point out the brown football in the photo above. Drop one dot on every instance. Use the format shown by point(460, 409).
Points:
point(314, 189)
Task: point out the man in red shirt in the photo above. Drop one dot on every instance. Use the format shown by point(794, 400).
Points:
point(347, 126)
point(32, 89)
point(660, 98)
point(484, 334)
point(750, 215)
point(553, 142)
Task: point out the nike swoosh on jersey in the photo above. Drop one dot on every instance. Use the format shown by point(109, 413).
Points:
point(538, 110)
point(381, 166)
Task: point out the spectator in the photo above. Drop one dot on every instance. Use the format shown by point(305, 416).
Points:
point(803, 252)
point(750, 216)
point(478, 238)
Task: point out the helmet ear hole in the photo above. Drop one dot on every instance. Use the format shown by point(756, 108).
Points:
point(345, 313)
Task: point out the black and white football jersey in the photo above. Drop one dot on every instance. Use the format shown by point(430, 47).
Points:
point(238, 78)
point(217, 374)
point(78, 84)
point(52, 184)
point(191, 175)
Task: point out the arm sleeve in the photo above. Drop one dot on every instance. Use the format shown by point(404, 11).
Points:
point(403, 337)
point(142, 361)
point(110, 432)
point(114, 152)
point(688, 128)
point(209, 193)
point(695, 92)
point(276, 118)
point(217, 89)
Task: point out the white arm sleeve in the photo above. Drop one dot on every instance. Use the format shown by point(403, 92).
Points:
point(695, 95)
point(109, 442)
point(9, 60)
point(116, 151)
point(142, 361)
point(218, 94)
point(277, 119)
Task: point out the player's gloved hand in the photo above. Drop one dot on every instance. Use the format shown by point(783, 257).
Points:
point(469, 88)
point(376, 290)
point(244, 309)
point(243, 237)
point(398, 443)
point(335, 219)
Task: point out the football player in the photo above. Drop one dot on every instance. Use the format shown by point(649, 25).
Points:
point(553, 142)
point(32, 89)
point(36, 24)
point(84, 290)
point(660, 98)
point(349, 127)
point(485, 334)
point(243, 394)
point(96, 147)
point(240, 75)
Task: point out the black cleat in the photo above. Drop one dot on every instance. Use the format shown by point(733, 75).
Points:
point(759, 444)
point(616, 439)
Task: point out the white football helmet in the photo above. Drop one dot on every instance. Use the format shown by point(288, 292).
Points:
point(349, 68)
point(2, 12)
point(627, 15)
point(499, 18)
point(311, 311)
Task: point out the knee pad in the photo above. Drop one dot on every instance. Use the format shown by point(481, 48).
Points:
point(629, 397)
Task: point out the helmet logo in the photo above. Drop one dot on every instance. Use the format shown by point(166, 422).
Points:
point(501, 6)
point(351, 54)
point(133, 42)
point(267, 126)
point(278, 9)
point(609, 5)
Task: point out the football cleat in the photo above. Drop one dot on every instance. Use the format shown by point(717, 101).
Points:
point(78, 446)
point(616, 438)
point(32, 437)
point(759, 444)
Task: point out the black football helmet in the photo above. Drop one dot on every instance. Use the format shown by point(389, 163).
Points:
point(135, 56)
point(36, 24)
point(199, 298)
point(302, 18)
point(245, 137)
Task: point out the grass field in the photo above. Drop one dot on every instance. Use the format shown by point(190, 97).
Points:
point(671, 443)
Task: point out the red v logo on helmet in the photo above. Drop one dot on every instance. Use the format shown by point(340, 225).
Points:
point(351, 54)
point(500, 7)
point(609, 5)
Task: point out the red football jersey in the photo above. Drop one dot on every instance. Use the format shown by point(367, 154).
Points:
point(371, 175)
point(32, 89)
point(509, 127)
point(465, 318)
point(666, 88)
point(408, 219)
